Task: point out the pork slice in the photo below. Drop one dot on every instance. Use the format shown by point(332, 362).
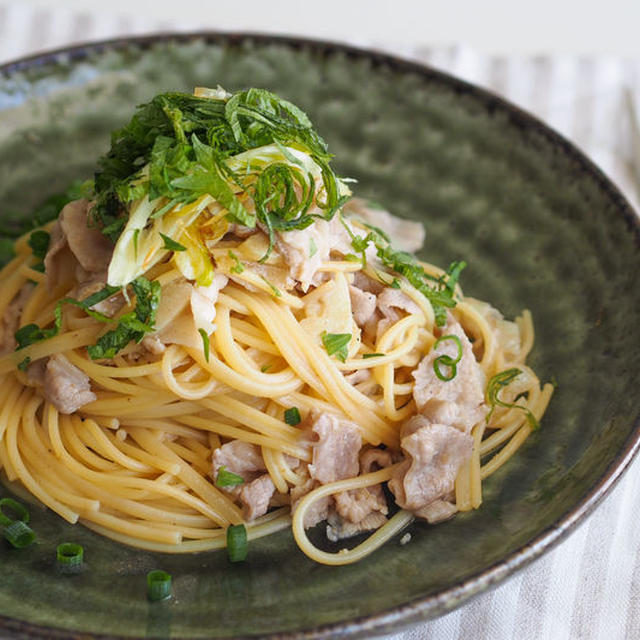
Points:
point(11, 319)
point(407, 235)
point(358, 376)
point(36, 371)
point(305, 250)
point(507, 333)
point(363, 282)
point(255, 496)
point(154, 345)
point(242, 458)
point(391, 305)
point(335, 454)
point(65, 386)
point(373, 458)
point(357, 504)
point(90, 283)
point(435, 453)
point(390, 298)
point(58, 259)
point(338, 528)
point(363, 305)
point(92, 249)
point(458, 402)
point(319, 509)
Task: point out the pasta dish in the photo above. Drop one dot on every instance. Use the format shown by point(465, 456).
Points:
point(214, 336)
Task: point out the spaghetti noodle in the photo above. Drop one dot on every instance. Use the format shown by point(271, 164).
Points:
point(248, 324)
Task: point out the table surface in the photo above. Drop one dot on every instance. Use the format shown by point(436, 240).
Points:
point(588, 587)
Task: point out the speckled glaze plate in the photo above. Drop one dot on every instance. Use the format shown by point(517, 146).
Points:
point(539, 226)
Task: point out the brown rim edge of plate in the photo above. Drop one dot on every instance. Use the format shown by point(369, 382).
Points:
point(420, 609)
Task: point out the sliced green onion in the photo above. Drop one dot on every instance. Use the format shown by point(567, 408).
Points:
point(495, 385)
point(20, 510)
point(69, 555)
point(206, 345)
point(238, 266)
point(292, 416)
point(228, 478)
point(274, 290)
point(19, 534)
point(237, 547)
point(158, 585)
point(447, 361)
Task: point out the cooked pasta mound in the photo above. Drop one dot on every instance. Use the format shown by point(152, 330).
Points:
point(213, 332)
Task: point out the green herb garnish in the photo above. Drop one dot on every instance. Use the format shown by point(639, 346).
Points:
point(371, 355)
point(19, 534)
point(16, 529)
point(336, 343)
point(31, 333)
point(495, 385)
point(39, 243)
point(206, 345)
point(238, 267)
point(440, 293)
point(172, 245)
point(274, 290)
point(158, 585)
point(186, 141)
point(69, 556)
point(447, 361)
point(132, 326)
point(227, 478)
point(292, 416)
point(237, 546)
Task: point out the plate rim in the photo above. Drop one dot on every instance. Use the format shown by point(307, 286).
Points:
point(431, 606)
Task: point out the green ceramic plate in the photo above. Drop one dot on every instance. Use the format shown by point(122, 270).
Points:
point(538, 224)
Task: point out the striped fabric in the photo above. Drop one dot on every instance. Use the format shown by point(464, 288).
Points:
point(589, 586)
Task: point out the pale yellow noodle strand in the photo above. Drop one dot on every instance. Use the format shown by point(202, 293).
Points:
point(105, 445)
point(393, 526)
point(253, 418)
point(23, 474)
point(191, 392)
point(268, 455)
point(226, 510)
point(284, 329)
point(518, 439)
point(59, 344)
point(238, 359)
point(236, 433)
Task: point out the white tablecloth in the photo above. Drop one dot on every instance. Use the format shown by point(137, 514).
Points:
point(588, 587)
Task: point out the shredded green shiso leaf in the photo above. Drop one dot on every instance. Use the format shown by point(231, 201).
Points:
point(256, 155)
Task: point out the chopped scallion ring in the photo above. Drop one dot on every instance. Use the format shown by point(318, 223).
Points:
point(292, 416)
point(69, 554)
point(19, 534)
point(20, 510)
point(158, 585)
point(447, 361)
point(237, 547)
